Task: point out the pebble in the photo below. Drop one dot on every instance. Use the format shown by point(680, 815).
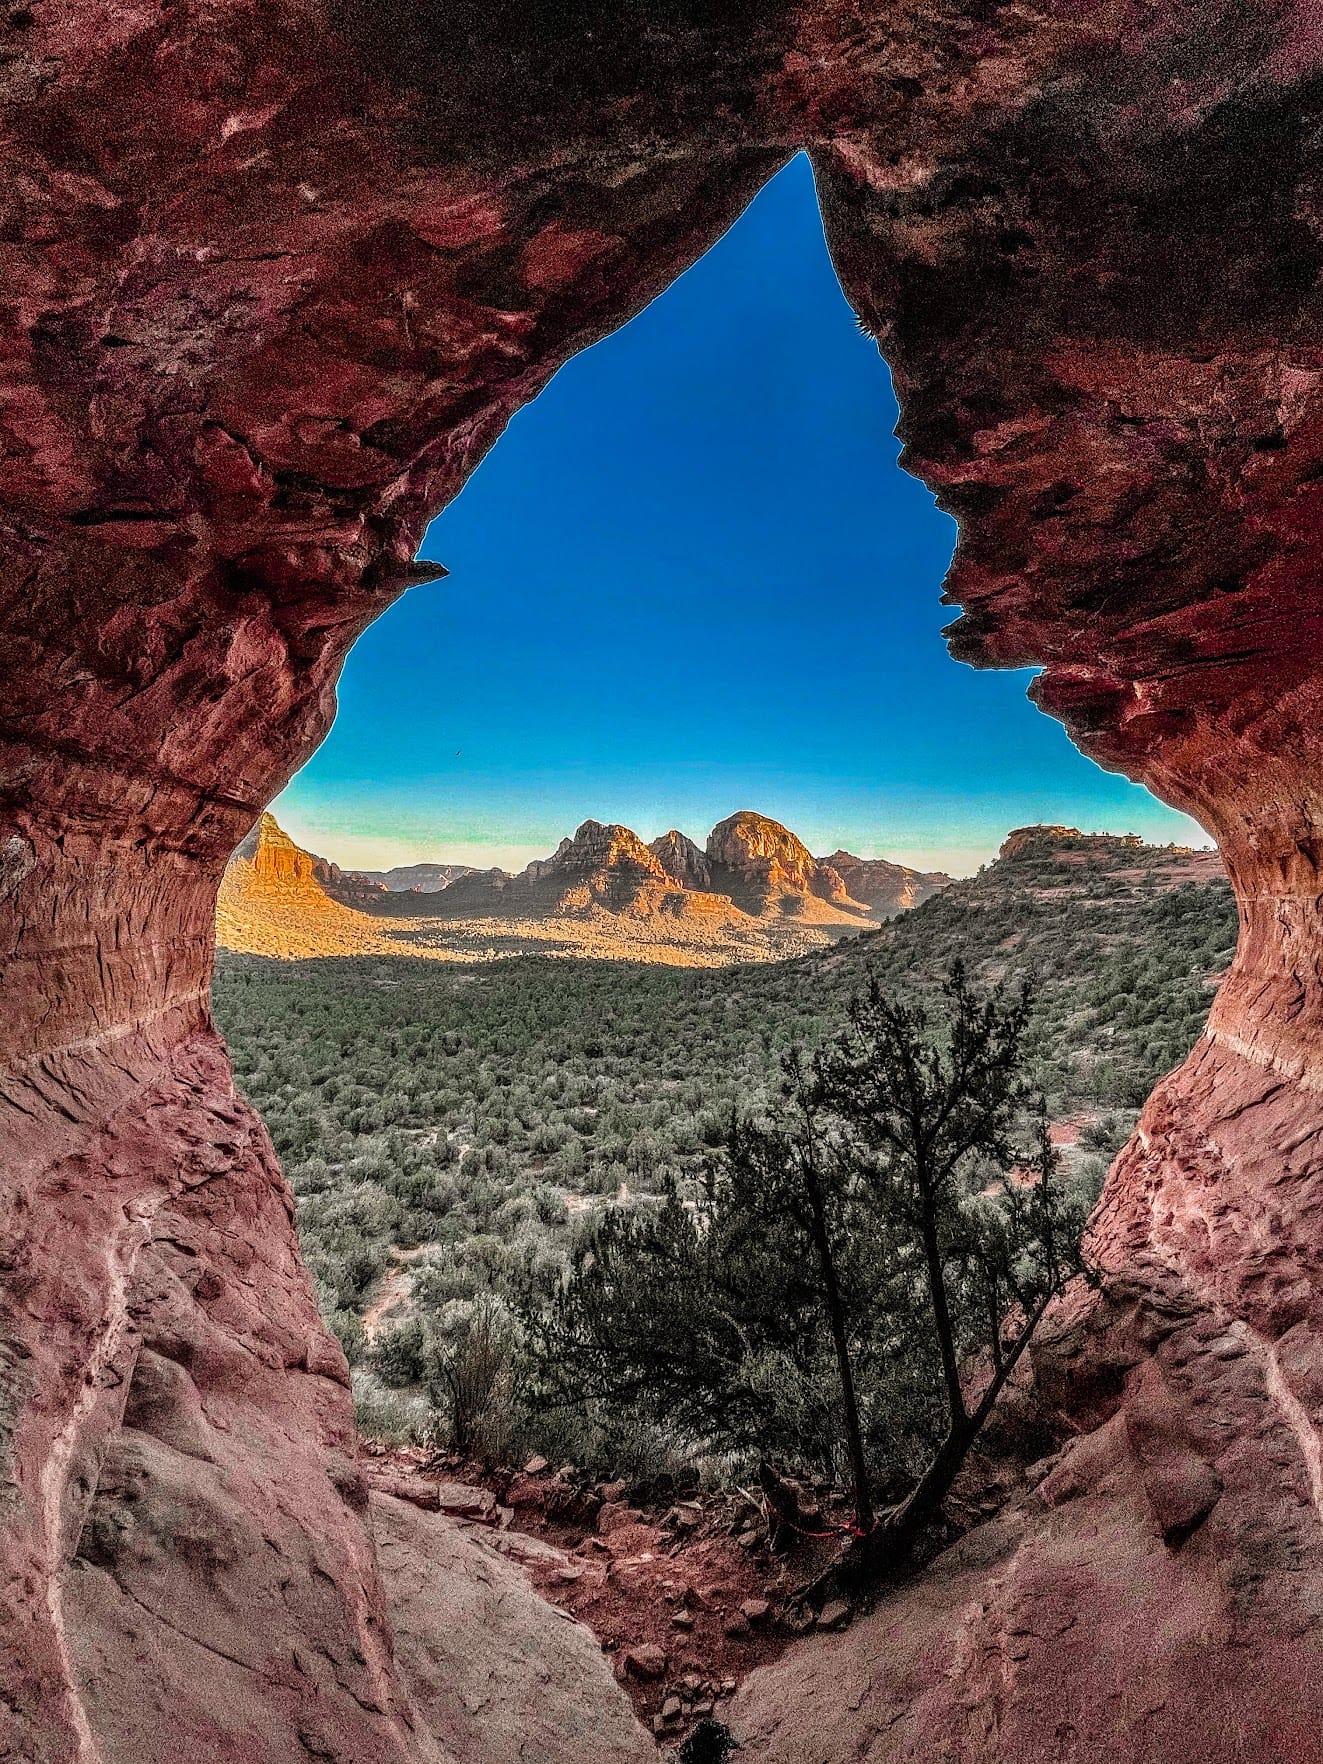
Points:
point(834, 1615)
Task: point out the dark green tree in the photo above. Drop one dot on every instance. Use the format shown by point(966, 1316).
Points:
point(695, 1312)
point(937, 1113)
point(887, 1241)
point(794, 1172)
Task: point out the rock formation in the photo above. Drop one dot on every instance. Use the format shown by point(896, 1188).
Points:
point(883, 887)
point(602, 895)
point(603, 867)
point(274, 861)
point(683, 861)
point(609, 864)
point(760, 863)
point(753, 868)
point(274, 280)
point(1022, 839)
point(277, 899)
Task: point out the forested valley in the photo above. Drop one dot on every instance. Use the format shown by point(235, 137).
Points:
point(455, 1136)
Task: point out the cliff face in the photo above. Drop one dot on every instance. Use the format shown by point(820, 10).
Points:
point(274, 861)
point(277, 899)
point(885, 888)
point(756, 860)
point(274, 281)
point(682, 860)
point(605, 861)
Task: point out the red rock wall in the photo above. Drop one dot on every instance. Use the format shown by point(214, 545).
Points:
point(274, 278)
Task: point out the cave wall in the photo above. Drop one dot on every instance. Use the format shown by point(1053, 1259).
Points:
point(274, 277)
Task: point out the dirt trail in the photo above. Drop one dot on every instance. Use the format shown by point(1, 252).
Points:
point(394, 1290)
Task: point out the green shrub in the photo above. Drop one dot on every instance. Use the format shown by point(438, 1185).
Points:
point(399, 1354)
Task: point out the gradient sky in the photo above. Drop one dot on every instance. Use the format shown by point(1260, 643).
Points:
point(690, 578)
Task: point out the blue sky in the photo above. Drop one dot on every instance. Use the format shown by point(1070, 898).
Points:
point(690, 578)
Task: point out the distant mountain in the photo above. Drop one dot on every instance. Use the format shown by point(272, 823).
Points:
point(753, 869)
point(885, 888)
point(755, 892)
point(604, 868)
point(764, 867)
point(413, 878)
point(276, 899)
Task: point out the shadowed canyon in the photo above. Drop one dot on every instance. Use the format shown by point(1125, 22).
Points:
point(275, 278)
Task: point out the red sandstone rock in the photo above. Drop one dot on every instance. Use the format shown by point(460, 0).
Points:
point(273, 283)
point(884, 887)
point(757, 860)
point(645, 1661)
point(682, 860)
point(535, 1685)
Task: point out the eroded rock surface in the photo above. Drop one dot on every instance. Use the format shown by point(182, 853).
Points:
point(759, 862)
point(274, 279)
point(538, 1691)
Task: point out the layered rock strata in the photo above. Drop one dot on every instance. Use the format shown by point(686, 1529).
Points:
point(883, 887)
point(759, 862)
point(274, 280)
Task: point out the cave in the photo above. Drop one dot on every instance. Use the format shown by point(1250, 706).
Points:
point(277, 275)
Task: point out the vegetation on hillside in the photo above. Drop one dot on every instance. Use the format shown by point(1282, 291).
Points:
point(451, 1132)
point(895, 1218)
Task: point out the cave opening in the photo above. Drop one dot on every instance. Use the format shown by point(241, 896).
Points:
point(691, 577)
point(272, 301)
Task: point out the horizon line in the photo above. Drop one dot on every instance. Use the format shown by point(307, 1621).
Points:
point(531, 852)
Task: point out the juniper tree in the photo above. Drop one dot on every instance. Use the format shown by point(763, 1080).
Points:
point(937, 1112)
point(698, 1313)
point(885, 1242)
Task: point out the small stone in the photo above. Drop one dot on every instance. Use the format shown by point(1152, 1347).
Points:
point(670, 1709)
point(737, 1625)
point(535, 1466)
point(645, 1661)
point(682, 1619)
point(834, 1615)
point(755, 1610)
